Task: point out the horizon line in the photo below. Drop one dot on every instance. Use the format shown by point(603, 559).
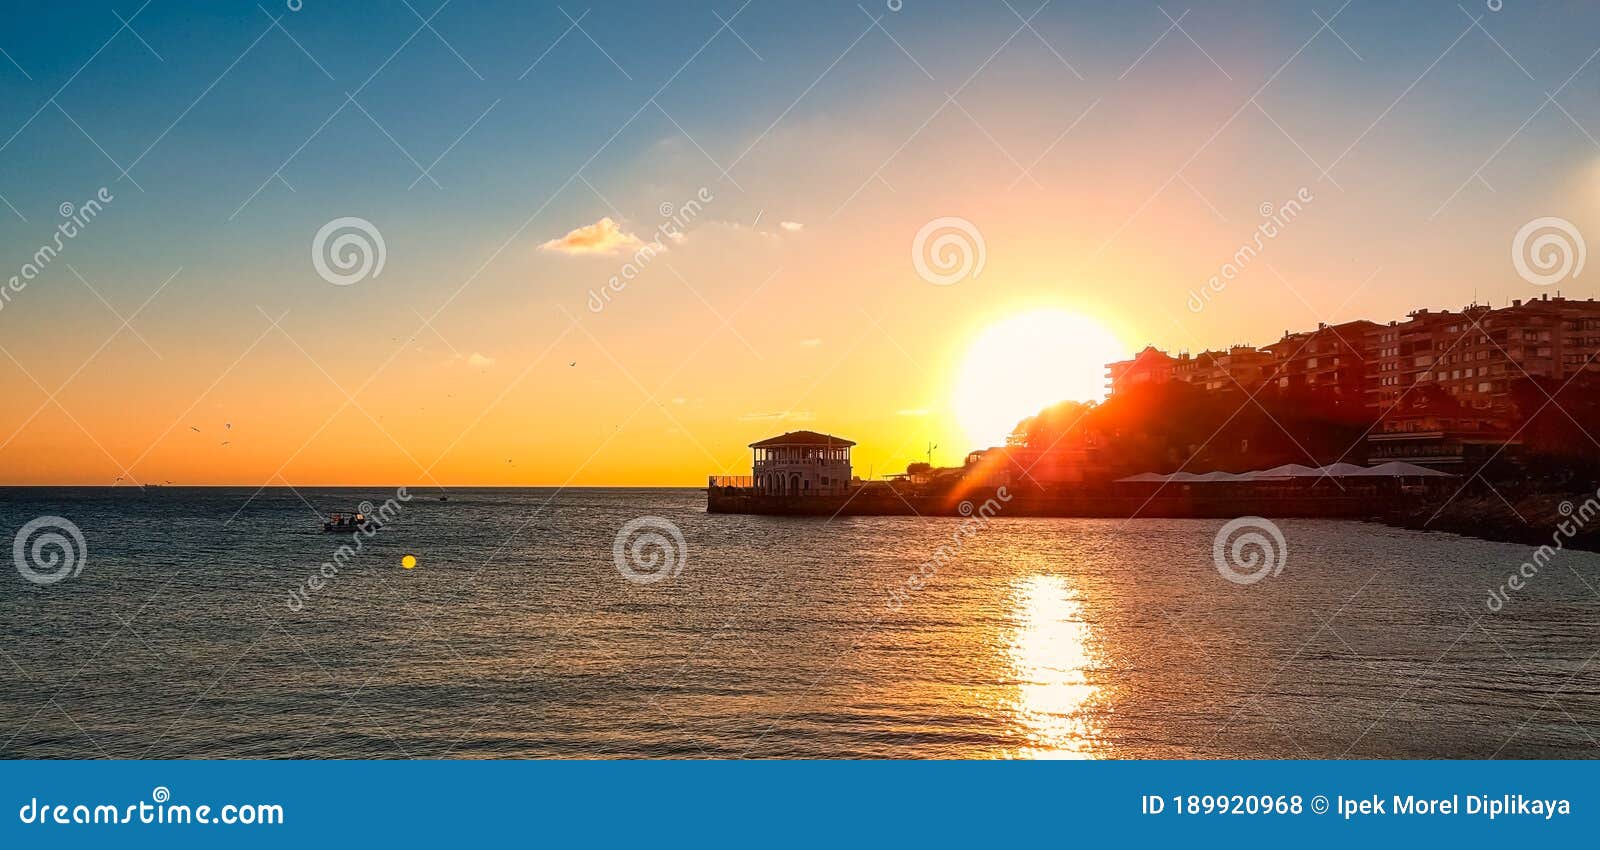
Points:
point(422, 488)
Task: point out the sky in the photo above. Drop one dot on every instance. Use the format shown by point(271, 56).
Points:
point(620, 242)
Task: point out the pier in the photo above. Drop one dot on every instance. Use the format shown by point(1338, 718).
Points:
point(805, 473)
point(726, 496)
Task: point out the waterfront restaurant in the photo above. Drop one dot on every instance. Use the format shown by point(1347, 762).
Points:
point(801, 463)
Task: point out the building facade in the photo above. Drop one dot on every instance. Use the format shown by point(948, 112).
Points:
point(1150, 366)
point(801, 463)
point(1475, 354)
point(1241, 366)
point(1478, 353)
point(1331, 360)
point(1438, 385)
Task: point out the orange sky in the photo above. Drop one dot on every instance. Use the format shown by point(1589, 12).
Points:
point(745, 327)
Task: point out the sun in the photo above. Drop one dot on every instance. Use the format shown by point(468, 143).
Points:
point(1025, 363)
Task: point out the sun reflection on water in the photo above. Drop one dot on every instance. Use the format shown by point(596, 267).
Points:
point(1051, 651)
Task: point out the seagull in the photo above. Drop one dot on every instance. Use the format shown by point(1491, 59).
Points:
point(194, 429)
point(226, 442)
point(228, 425)
point(573, 363)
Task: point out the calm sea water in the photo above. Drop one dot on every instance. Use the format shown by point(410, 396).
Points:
point(517, 636)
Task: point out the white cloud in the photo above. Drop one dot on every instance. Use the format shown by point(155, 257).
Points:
point(603, 237)
point(811, 343)
point(480, 361)
point(782, 415)
point(791, 226)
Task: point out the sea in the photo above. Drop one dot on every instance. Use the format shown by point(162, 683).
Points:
point(630, 623)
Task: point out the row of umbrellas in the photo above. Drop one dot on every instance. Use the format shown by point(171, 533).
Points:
point(1292, 471)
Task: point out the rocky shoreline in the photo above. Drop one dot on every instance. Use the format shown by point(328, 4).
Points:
point(1533, 519)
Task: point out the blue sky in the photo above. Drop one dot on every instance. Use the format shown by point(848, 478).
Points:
point(544, 125)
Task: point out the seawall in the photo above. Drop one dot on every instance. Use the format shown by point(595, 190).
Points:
point(861, 503)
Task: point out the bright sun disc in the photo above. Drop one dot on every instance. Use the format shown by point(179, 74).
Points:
point(1026, 363)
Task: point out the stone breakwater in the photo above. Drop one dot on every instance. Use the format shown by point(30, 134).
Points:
point(1530, 518)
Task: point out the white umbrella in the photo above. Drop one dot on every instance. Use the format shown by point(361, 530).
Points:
point(1219, 476)
point(1288, 470)
point(1399, 469)
point(1340, 470)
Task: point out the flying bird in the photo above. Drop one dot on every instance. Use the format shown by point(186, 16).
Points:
point(194, 429)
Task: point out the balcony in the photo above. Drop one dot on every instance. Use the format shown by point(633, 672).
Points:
point(765, 464)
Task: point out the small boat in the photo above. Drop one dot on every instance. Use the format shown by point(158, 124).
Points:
point(344, 522)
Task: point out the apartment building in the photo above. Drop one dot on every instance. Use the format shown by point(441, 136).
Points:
point(1438, 383)
point(1150, 366)
point(1331, 359)
point(1478, 353)
point(1241, 366)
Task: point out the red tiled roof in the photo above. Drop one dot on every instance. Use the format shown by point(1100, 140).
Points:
point(802, 438)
